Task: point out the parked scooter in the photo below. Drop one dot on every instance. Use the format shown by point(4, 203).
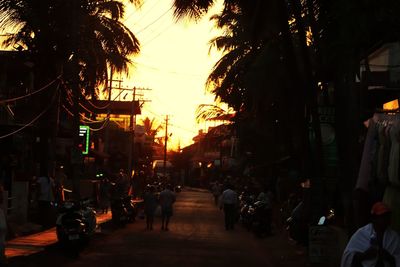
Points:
point(75, 224)
point(261, 219)
point(297, 224)
point(119, 212)
point(246, 210)
point(131, 208)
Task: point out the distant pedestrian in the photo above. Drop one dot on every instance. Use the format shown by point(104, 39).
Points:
point(167, 199)
point(59, 180)
point(150, 205)
point(265, 199)
point(216, 190)
point(105, 194)
point(122, 183)
point(46, 188)
point(229, 203)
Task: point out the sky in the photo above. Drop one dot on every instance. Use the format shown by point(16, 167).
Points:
point(174, 63)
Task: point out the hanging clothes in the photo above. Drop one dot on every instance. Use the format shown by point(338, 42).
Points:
point(393, 168)
point(365, 171)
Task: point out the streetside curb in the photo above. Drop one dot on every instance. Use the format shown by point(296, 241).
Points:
point(34, 243)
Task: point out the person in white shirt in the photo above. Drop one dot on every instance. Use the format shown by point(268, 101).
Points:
point(375, 244)
point(229, 202)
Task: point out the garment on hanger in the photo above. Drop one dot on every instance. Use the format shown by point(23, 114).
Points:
point(394, 158)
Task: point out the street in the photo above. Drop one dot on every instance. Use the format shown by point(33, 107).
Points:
point(197, 237)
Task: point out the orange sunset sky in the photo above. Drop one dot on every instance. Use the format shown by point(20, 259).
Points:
point(174, 63)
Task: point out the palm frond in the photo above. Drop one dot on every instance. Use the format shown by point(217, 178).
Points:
point(192, 9)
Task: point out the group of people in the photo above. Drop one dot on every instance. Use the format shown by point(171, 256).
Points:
point(112, 189)
point(165, 200)
point(227, 199)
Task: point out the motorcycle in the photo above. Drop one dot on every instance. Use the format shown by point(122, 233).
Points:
point(131, 208)
point(297, 225)
point(178, 189)
point(75, 224)
point(261, 219)
point(119, 212)
point(246, 210)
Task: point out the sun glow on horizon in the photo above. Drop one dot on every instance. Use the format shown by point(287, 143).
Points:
point(174, 62)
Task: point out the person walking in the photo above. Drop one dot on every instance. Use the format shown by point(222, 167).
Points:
point(150, 205)
point(46, 188)
point(265, 199)
point(216, 191)
point(59, 179)
point(229, 203)
point(167, 199)
point(104, 194)
point(374, 244)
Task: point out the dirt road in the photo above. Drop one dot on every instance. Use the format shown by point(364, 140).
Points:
point(197, 237)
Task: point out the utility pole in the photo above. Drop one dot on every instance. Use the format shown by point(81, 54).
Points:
point(132, 125)
point(107, 134)
point(165, 146)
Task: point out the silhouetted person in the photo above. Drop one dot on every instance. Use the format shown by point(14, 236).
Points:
point(105, 194)
point(150, 205)
point(46, 189)
point(229, 202)
point(216, 190)
point(167, 199)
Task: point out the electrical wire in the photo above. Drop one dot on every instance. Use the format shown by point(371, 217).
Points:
point(159, 34)
point(30, 94)
point(144, 15)
point(69, 92)
point(170, 124)
point(68, 111)
point(131, 14)
point(35, 119)
point(157, 19)
point(169, 71)
point(101, 127)
point(90, 121)
point(84, 119)
point(105, 122)
point(182, 128)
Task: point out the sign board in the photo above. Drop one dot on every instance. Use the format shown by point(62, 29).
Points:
point(84, 139)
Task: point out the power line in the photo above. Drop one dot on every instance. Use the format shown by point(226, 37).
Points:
point(131, 14)
point(168, 71)
point(171, 124)
point(157, 19)
point(159, 34)
point(101, 127)
point(35, 119)
point(182, 128)
point(30, 94)
point(144, 15)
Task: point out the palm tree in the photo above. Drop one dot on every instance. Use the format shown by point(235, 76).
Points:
point(150, 126)
point(80, 38)
point(88, 30)
point(207, 112)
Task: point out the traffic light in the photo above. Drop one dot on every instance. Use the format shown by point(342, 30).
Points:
point(84, 139)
